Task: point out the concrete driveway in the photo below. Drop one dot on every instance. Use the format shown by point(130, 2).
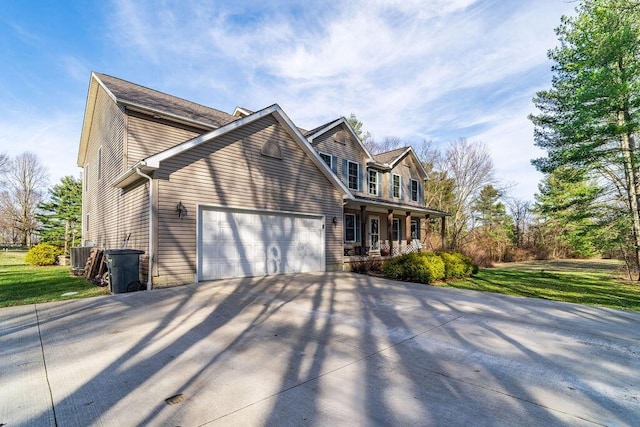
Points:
point(325, 349)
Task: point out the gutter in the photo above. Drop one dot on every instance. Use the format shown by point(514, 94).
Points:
point(151, 252)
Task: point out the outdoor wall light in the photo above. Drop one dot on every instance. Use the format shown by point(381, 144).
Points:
point(335, 221)
point(181, 209)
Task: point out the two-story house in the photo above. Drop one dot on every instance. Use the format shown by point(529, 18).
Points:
point(210, 195)
point(385, 210)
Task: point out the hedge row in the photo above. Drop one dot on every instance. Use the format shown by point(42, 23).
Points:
point(427, 267)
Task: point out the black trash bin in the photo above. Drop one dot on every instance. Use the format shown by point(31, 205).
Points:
point(124, 270)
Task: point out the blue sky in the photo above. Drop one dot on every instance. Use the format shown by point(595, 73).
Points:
point(418, 70)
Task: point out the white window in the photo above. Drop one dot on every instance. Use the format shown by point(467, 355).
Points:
point(350, 227)
point(327, 159)
point(396, 186)
point(414, 190)
point(353, 170)
point(395, 230)
point(414, 229)
point(373, 181)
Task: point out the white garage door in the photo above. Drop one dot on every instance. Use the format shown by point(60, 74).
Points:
point(235, 243)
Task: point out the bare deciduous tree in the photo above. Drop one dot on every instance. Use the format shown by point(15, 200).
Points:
point(520, 212)
point(470, 167)
point(26, 181)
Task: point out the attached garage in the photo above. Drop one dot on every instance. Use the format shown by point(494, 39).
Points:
point(248, 243)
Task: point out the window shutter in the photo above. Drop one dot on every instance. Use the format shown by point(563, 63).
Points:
point(367, 181)
point(420, 193)
point(360, 178)
point(379, 182)
point(345, 172)
point(357, 227)
point(409, 189)
point(334, 164)
point(401, 190)
point(391, 186)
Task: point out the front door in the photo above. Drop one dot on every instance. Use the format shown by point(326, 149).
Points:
point(374, 233)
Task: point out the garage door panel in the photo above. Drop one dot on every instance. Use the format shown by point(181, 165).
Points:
point(240, 243)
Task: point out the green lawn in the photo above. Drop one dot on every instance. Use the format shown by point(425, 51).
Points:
point(25, 284)
point(591, 282)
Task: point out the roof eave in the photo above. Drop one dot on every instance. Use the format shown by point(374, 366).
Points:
point(378, 165)
point(130, 175)
point(87, 120)
point(163, 114)
point(424, 210)
point(275, 110)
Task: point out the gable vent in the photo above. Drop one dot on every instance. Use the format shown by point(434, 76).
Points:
point(341, 137)
point(271, 148)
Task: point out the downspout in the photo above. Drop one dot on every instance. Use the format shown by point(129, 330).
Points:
point(150, 266)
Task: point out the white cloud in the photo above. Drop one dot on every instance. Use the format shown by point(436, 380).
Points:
point(407, 68)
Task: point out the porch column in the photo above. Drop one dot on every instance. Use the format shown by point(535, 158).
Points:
point(443, 242)
point(407, 227)
point(427, 230)
point(390, 230)
point(363, 230)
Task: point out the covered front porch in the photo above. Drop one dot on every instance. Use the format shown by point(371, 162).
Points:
point(384, 229)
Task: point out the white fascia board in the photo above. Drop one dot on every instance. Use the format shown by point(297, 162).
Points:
point(418, 162)
point(130, 176)
point(239, 111)
point(338, 122)
point(97, 79)
point(331, 125)
point(353, 134)
point(311, 152)
point(154, 160)
point(400, 157)
point(377, 165)
point(87, 122)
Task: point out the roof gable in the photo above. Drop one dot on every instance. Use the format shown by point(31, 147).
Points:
point(141, 98)
point(320, 130)
point(393, 157)
point(153, 162)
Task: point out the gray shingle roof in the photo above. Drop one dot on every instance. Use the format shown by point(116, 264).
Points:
point(132, 93)
point(389, 156)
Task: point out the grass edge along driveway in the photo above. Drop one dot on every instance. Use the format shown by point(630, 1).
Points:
point(590, 282)
point(22, 284)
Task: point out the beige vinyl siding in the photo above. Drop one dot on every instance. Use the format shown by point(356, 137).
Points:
point(231, 171)
point(147, 136)
point(100, 200)
point(350, 150)
point(133, 221)
point(407, 169)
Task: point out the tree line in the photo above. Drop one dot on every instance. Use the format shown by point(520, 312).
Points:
point(29, 212)
point(588, 202)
